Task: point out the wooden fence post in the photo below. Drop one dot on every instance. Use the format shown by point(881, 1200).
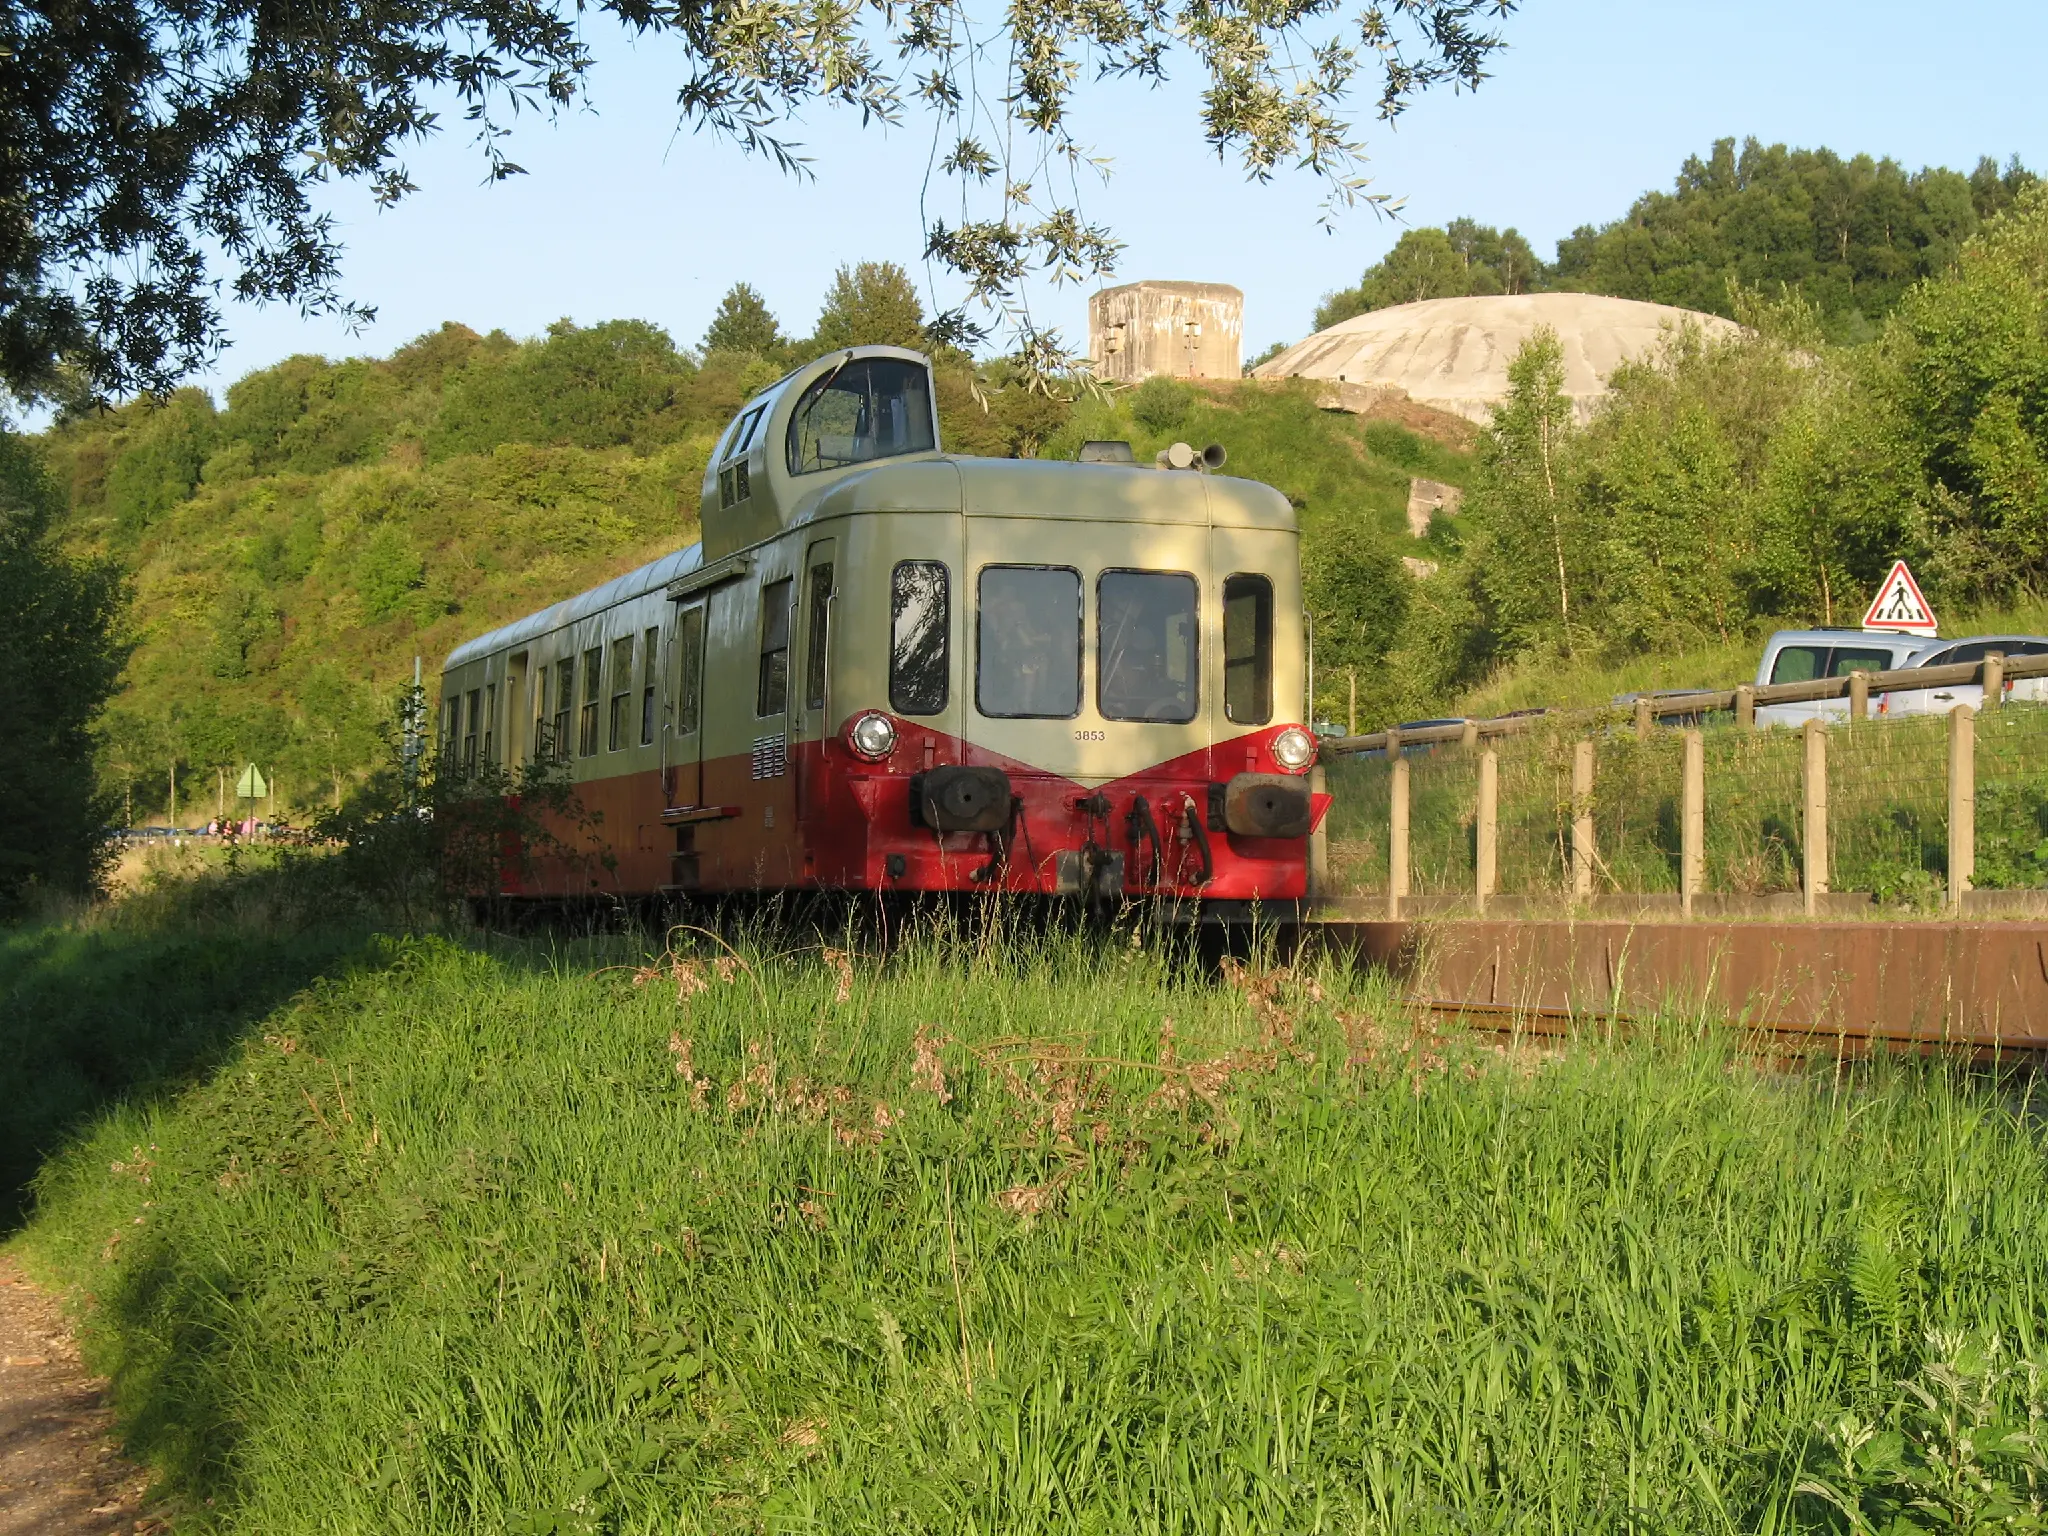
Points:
point(1994, 680)
point(1962, 802)
point(1397, 838)
point(1745, 707)
point(1815, 836)
point(1468, 734)
point(1486, 850)
point(1692, 821)
point(1859, 696)
point(1582, 820)
point(1642, 719)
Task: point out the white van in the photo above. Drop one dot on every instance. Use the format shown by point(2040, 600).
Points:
point(1801, 655)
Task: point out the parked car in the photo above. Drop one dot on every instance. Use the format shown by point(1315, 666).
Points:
point(1801, 655)
point(1939, 701)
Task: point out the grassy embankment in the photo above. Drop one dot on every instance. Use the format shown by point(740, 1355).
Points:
point(561, 1238)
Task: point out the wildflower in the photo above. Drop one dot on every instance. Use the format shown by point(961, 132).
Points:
point(926, 1070)
point(680, 1047)
point(842, 967)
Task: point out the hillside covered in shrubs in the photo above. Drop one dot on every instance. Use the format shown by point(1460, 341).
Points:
point(293, 547)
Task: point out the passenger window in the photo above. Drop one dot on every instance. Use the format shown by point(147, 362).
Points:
point(920, 637)
point(1027, 662)
point(490, 721)
point(1849, 659)
point(649, 653)
point(593, 686)
point(451, 725)
point(815, 648)
point(469, 736)
point(874, 408)
point(622, 693)
point(1248, 649)
point(1799, 664)
point(1145, 648)
point(565, 700)
point(771, 689)
point(689, 670)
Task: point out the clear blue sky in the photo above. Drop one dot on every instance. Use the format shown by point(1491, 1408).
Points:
point(1593, 102)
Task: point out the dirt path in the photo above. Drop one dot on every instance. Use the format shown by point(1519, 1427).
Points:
point(59, 1472)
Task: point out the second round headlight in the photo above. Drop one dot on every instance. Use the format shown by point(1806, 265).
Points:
point(873, 736)
point(1294, 749)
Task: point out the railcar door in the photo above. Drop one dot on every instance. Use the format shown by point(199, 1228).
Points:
point(811, 714)
point(682, 741)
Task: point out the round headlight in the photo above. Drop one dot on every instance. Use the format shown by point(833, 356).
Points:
point(1293, 749)
point(873, 736)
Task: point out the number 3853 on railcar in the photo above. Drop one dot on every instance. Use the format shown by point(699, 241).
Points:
point(887, 667)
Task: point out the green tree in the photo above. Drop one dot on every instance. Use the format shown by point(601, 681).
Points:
point(744, 325)
point(1531, 543)
point(163, 154)
point(1851, 235)
point(873, 303)
point(1465, 259)
point(62, 616)
point(160, 459)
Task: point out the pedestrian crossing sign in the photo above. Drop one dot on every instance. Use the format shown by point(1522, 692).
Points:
point(1899, 606)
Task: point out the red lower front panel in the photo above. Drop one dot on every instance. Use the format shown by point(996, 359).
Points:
point(832, 821)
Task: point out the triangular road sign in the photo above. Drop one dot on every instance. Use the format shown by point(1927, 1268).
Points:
point(1899, 605)
point(251, 786)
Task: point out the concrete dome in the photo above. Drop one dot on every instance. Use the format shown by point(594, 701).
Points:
point(1453, 354)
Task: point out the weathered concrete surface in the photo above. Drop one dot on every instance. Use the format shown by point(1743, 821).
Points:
point(1453, 354)
point(1426, 498)
point(1185, 330)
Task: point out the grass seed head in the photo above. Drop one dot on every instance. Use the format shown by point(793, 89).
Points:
point(927, 1071)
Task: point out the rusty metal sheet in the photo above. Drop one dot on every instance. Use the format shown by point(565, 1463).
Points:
point(1980, 985)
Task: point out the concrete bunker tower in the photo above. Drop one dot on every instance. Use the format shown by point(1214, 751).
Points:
point(1183, 330)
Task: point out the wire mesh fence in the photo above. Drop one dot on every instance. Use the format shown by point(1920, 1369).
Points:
point(2012, 798)
point(1888, 809)
point(1443, 800)
point(1638, 789)
point(1357, 823)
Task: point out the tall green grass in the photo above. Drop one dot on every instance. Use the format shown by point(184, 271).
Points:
point(1032, 1235)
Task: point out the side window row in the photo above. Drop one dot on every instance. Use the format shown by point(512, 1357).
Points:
point(1027, 654)
point(1028, 643)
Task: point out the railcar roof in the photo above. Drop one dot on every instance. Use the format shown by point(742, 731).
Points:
point(657, 573)
point(1054, 488)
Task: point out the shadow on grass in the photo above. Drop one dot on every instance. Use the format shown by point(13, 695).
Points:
point(96, 1012)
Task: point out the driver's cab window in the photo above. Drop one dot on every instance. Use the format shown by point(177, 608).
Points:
point(870, 408)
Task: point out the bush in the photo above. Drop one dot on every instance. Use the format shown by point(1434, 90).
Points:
point(65, 658)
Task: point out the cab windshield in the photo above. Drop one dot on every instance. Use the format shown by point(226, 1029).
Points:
point(871, 408)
